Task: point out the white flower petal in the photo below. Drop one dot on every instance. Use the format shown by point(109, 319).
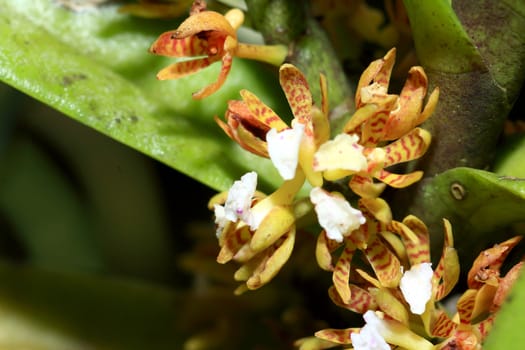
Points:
point(220, 219)
point(416, 286)
point(283, 148)
point(240, 196)
point(369, 337)
point(335, 214)
point(343, 152)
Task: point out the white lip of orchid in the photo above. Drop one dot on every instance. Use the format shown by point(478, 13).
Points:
point(283, 148)
point(369, 337)
point(336, 216)
point(416, 286)
point(238, 202)
point(343, 152)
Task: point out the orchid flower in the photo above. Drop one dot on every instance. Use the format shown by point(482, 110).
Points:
point(214, 36)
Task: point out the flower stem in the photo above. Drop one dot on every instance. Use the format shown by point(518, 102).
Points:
point(273, 54)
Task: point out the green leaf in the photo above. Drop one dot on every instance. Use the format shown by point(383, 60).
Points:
point(94, 67)
point(510, 160)
point(44, 310)
point(441, 42)
point(479, 204)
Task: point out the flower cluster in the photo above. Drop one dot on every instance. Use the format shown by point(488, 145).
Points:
point(393, 283)
point(403, 310)
point(258, 231)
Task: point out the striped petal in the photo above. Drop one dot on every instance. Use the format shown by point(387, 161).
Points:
point(361, 300)
point(399, 180)
point(411, 146)
point(465, 306)
point(379, 209)
point(418, 252)
point(407, 116)
point(365, 187)
point(385, 264)
point(443, 326)
point(168, 45)
point(227, 60)
point(182, 69)
point(341, 274)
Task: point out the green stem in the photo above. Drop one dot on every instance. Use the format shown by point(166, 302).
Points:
point(289, 22)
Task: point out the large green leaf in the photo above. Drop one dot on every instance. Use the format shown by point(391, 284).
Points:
point(481, 206)
point(94, 67)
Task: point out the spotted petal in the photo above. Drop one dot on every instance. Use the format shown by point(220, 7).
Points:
point(504, 286)
point(262, 112)
point(486, 266)
point(297, 92)
point(243, 136)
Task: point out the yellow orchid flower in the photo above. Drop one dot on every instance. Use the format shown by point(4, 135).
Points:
point(255, 230)
point(406, 313)
point(213, 35)
point(477, 307)
point(371, 238)
point(344, 156)
point(258, 129)
point(383, 117)
point(363, 151)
